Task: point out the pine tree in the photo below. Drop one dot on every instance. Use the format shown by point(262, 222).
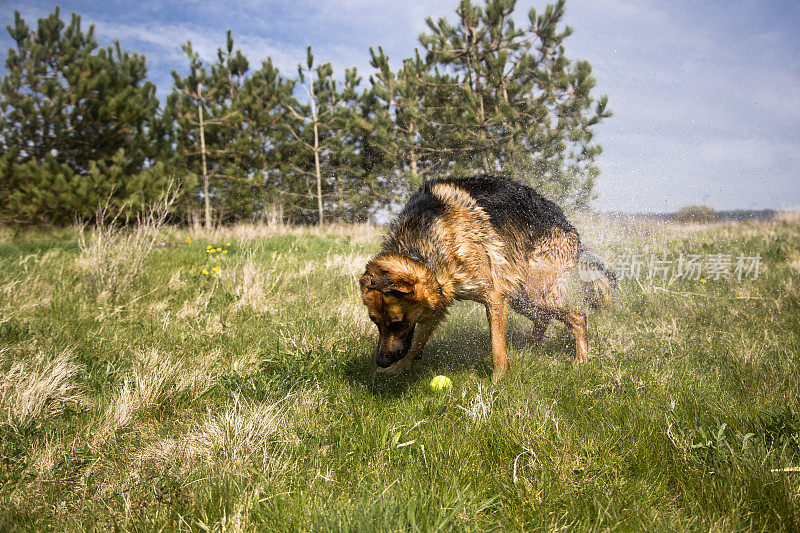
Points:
point(504, 98)
point(237, 151)
point(402, 119)
point(76, 125)
point(355, 156)
point(181, 119)
point(316, 129)
point(200, 110)
point(262, 104)
point(233, 165)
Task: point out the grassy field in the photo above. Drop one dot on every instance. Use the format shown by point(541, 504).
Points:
point(142, 394)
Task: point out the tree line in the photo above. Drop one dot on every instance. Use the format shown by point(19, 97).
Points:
point(81, 124)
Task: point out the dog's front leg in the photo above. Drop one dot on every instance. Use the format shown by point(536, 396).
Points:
point(422, 333)
point(497, 314)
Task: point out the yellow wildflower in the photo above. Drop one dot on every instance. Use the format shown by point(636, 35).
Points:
point(216, 269)
point(703, 280)
point(209, 247)
point(219, 249)
point(188, 240)
point(227, 244)
point(205, 272)
point(211, 251)
point(224, 251)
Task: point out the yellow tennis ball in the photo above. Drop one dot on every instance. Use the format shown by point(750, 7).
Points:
point(439, 383)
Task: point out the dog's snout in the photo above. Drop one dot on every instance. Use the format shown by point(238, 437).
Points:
point(385, 357)
point(392, 348)
point(383, 361)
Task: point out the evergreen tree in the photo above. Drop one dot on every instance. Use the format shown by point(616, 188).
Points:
point(201, 110)
point(402, 119)
point(76, 124)
point(262, 103)
point(315, 127)
point(356, 156)
point(233, 165)
point(491, 96)
point(233, 154)
point(182, 119)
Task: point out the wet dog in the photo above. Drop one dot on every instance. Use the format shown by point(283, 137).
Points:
point(486, 239)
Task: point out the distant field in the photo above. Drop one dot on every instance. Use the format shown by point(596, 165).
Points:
point(245, 399)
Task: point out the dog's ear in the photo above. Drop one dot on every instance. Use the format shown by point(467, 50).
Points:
point(401, 277)
point(365, 282)
point(399, 284)
point(388, 282)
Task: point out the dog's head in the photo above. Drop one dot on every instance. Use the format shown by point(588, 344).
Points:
point(398, 293)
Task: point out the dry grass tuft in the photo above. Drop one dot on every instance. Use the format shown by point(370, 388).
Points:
point(46, 455)
point(351, 264)
point(214, 325)
point(240, 436)
point(6, 235)
point(195, 309)
point(137, 394)
point(175, 282)
point(25, 294)
point(794, 261)
point(37, 388)
point(352, 311)
point(112, 255)
point(248, 232)
point(157, 381)
point(791, 216)
point(256, 286)
point(479, 408)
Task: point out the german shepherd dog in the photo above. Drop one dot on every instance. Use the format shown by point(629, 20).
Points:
point(486, 239)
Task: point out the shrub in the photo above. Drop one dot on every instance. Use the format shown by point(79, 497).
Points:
point(701, 214)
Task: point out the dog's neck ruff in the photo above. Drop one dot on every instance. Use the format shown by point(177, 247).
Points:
point(415, 256)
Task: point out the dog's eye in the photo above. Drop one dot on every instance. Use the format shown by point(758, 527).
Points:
point(395, 293)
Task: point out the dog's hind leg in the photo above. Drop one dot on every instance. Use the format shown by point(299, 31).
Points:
point(541, 300)
point(556, 256)
point(574, 320)
point(539, 317)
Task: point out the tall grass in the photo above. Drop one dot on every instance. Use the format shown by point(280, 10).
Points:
point(113, 251)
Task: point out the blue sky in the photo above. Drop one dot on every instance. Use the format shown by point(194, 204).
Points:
point(705, 95)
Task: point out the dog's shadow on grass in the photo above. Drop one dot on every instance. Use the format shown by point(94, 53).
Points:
point(458, 349)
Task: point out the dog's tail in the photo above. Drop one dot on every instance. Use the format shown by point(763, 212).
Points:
point(597, 279)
